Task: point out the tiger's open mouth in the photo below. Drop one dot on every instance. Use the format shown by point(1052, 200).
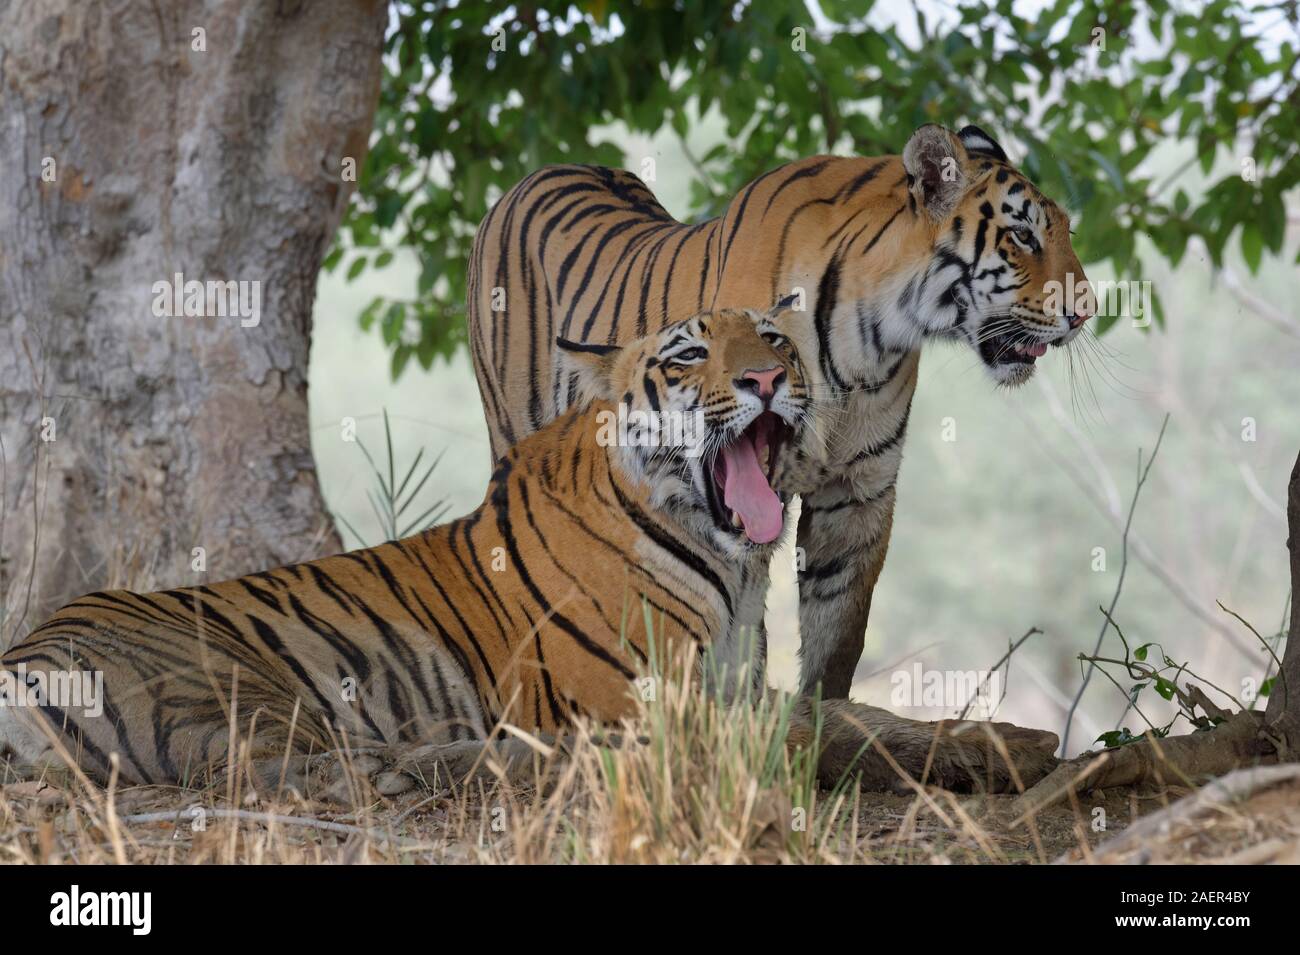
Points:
point(740, 494)
point(1005, 342)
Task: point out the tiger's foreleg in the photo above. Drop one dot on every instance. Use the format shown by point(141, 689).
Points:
point(842, 541)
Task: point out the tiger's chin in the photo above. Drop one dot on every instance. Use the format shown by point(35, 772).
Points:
point(1008, 353)
point(1011, 374)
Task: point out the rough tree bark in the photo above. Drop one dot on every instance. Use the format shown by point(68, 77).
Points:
point(140, 140)
point(1284, 702)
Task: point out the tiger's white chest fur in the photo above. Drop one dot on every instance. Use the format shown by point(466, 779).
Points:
point(855, 442)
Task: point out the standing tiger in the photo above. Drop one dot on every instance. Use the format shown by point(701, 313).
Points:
point(527, 611)
point(947, 240)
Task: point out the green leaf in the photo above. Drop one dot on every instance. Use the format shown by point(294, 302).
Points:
point(1252, 245)
point(1272, 217)
point(370, 312)
point(1116, 738)
point(332, 260)
point(400, 357)
point(392, 324)
point(388, 208)
point(1157, 307)
point(681, 125)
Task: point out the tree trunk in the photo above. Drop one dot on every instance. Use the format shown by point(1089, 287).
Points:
point(140, 140)
point(1284, 700)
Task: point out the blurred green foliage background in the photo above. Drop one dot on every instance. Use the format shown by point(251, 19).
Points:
point(476, 95)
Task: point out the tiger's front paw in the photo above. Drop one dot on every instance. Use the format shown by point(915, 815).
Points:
point(346, 778)
point(359, 777)
point(399, 769)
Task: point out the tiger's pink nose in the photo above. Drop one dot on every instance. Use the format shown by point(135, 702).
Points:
point(763, 383)
point(1082, 306)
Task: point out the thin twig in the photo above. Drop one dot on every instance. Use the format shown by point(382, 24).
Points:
point(1119, 584)
point(1005, 658)
point(703, 175)
point(1265, 310)
point(1281, 671)
point(1138, 665)
point(269, 818)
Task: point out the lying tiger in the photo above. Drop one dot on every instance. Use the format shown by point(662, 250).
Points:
point(414, 652)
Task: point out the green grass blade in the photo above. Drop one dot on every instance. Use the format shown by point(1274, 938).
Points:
point(425, 520)
point(397, 495)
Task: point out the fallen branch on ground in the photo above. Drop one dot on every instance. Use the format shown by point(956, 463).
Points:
point(268, 818)
point(1221, 795)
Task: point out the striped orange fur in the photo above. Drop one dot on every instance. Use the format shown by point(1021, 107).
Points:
point(528, 610)
point(875, 255)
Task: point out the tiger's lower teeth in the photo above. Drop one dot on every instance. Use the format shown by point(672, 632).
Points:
point(735, 520)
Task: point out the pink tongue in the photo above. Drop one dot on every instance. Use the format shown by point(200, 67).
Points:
point(1037, 350)
point(748, 494)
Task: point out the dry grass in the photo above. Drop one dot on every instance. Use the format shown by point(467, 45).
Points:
point(690, 782)
point(693, 782)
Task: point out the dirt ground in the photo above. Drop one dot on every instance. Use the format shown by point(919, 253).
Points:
point(44, 823)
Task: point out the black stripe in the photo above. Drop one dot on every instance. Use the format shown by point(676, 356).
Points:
point(652, 530)
point(579, 524)
point(499, 499)
point(329, 588)
point(401, 648)
point(889, 442)
point(827, 295)
point(876, 238)
point(268, 636)
point(851, 188)
point(552, 702)
point(804, 173)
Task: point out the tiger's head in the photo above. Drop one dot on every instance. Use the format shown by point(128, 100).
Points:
point(1016, 283)
point(698, 411)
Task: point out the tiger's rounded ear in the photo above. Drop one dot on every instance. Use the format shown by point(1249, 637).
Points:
point(592, 364)
point(980, 143)
point(933, 159)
